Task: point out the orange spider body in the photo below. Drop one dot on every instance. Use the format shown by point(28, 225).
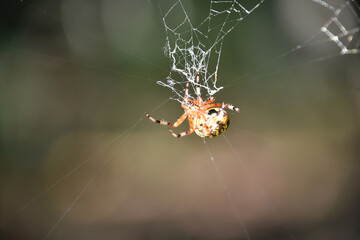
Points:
point(206, 118)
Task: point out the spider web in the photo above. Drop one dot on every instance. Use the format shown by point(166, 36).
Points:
point(197, 49)
point(341, 33)
point(342, 26)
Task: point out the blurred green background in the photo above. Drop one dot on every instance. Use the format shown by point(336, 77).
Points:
point(75, 80)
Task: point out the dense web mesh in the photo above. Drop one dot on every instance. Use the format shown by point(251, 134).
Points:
point(197, 49)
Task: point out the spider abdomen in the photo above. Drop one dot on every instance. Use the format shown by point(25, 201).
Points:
point(211, 124)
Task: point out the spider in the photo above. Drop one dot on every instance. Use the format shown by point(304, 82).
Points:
point(206, 118)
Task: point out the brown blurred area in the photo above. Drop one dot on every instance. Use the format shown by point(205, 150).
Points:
point(75, 80)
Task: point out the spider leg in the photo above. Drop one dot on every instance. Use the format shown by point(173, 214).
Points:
point(162, 122)
point(187, 90)
point(182, 134)
point(197, 86)
point(186, 97)
point(209, 100)
point(224, 105)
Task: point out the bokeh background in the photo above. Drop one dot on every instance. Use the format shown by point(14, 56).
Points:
point(75, 80)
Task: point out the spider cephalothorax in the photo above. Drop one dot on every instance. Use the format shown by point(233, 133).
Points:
point(206, 118)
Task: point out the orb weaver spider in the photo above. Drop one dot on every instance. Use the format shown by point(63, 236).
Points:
point(206, 118)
